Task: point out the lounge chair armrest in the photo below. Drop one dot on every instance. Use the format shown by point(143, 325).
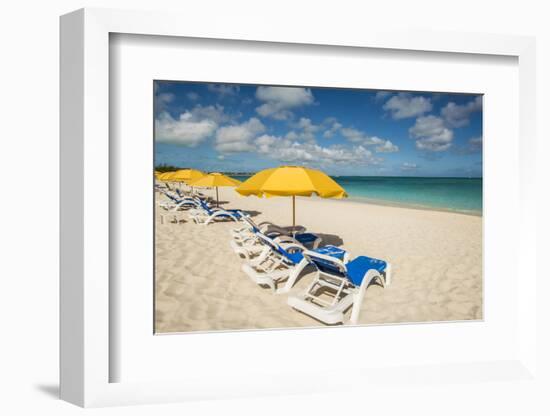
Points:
point(272, 232)
point(287, 239)
point(265, 223)
point(330, 259)
point(289, 246)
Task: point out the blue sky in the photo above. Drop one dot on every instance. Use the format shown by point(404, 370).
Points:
point(223, 127)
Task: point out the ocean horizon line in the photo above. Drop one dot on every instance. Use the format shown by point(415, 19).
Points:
point(250, 173)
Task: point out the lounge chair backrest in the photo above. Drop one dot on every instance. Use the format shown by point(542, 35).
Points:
point(269, 242)
point(205, 206)
point(173, 198)
point(251, 223)
point(327, 264)
point(290, 257)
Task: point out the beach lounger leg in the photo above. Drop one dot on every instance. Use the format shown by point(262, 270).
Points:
point(360, 294)
point(294, 274)
point(387, 280)
point(316, 243)
point(264, 254)
point(240, 251)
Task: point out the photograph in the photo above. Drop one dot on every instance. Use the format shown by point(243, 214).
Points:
point(292, 206)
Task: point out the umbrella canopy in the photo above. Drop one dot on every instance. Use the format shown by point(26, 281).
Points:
point(186, 175)
point(215, 180)
point(291, 181)
point(166, 176)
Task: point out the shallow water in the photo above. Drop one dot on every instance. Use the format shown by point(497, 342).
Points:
point(453, 194)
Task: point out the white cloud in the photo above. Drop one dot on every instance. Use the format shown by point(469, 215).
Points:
point(238, 138)
point(265, 142)
point(193, 96)
point(374, 140)
point(287, 151)
point(306, 130)
point(409, 166)
point(357, 136)
point(456, 115)
point(306, 125)
point(329, 120)
point(431, 134)
point(192, 127)
point(162, 100)
point(404, 105)
point(382, 95)
point(271, 110)
point(332, 125)
point(353, 135)
point(223, 89)
point(292, 135)
point(475, 143)
point(278, 101)
point(215, 113)
point(186, 130)
point(387, 147)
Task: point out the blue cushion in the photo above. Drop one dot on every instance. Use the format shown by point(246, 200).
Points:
point(333, 251)
point(295, 257)
point(326, 265)
point(358, 267)
point(206, 207)
point(236, 212)
point(305, 238)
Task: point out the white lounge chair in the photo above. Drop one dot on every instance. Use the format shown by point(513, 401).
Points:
point(279, 261)
point(268, 228)
point(205, 215)
point(250, 247)
point(343, 284)
point(246, 242)
point(176, 202)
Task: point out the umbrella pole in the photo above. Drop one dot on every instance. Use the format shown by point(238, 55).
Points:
point(293, 211)
point(217, 198)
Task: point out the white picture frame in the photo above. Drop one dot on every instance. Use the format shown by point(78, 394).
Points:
point(85, 166)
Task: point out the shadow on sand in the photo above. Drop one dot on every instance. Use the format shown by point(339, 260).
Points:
point(253, 213)
point(330, 239)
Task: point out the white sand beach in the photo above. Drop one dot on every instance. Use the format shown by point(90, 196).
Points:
point(436, 259)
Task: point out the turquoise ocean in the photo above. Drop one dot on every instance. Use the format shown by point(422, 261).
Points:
point(463, 195)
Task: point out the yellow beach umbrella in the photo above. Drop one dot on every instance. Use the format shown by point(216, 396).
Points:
point(215, 180)
point(187, 175)
point(291, 181)
point(165, 177)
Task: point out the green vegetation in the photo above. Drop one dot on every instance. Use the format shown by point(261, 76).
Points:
point(167, 168)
